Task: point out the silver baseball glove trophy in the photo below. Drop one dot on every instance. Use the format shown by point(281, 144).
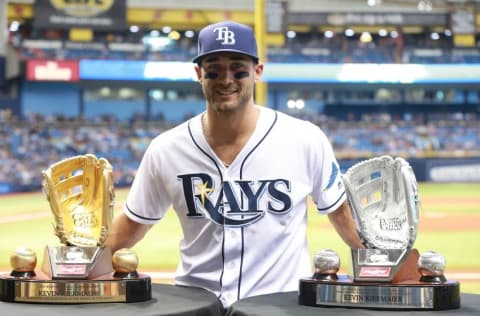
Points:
point(80, 192)
point(384, 199)
point(388, 273)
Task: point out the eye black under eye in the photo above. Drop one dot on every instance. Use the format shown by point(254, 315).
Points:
point(241, 74)
point(210, 75)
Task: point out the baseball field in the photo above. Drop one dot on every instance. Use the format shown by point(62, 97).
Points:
point(449, 224)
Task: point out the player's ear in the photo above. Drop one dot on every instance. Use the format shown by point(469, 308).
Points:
point(258, 72)
point(198, 71)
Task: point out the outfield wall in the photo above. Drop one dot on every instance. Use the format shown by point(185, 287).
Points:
point(454, 170)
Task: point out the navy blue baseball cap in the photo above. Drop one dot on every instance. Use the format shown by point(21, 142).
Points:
point(226, 36)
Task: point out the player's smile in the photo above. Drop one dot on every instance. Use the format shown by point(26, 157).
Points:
point(226, 94)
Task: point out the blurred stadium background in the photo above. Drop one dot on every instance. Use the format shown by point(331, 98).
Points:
point(379, 76)
point(398, 77)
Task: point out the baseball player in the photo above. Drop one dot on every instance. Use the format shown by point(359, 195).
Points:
point(238, 176)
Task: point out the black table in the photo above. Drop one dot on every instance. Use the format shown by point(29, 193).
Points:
point(286, 304)
point(166, 300)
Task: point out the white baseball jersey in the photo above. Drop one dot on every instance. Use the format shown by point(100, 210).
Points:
point(244, 226)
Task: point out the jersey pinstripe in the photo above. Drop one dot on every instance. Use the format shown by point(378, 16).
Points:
point(244, 226)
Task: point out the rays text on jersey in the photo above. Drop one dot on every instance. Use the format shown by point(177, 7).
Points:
point(237, 202)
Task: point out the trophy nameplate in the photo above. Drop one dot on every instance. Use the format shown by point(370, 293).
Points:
point(345, 292)
point(388, 273)
point(82, 269)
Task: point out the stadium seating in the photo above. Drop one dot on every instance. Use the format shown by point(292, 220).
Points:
point(30, 146)
point(314, 51)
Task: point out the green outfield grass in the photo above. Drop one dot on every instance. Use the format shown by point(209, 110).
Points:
point(159, 249)
point(456, 190)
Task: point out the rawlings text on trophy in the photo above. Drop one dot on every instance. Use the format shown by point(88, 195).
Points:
point(388, 273)
point(81, 270)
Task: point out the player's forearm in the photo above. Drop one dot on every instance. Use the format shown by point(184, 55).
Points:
point(125, 233)
point(344, 224)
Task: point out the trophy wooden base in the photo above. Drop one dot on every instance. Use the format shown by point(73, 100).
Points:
point(104, 289)
point(414, 295)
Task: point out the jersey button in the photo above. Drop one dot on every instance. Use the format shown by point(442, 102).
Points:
point(231, 265)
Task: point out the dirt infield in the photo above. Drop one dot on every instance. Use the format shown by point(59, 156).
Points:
point(430, 221)
point(443, 222)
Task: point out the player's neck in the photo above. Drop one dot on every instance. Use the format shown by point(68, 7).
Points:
point(228, 127)
point(227, 133)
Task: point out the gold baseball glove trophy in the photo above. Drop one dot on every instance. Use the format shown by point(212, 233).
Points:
point(80, 191)
point(388, 273)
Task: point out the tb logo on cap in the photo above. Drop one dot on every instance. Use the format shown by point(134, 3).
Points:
point(225, 35)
